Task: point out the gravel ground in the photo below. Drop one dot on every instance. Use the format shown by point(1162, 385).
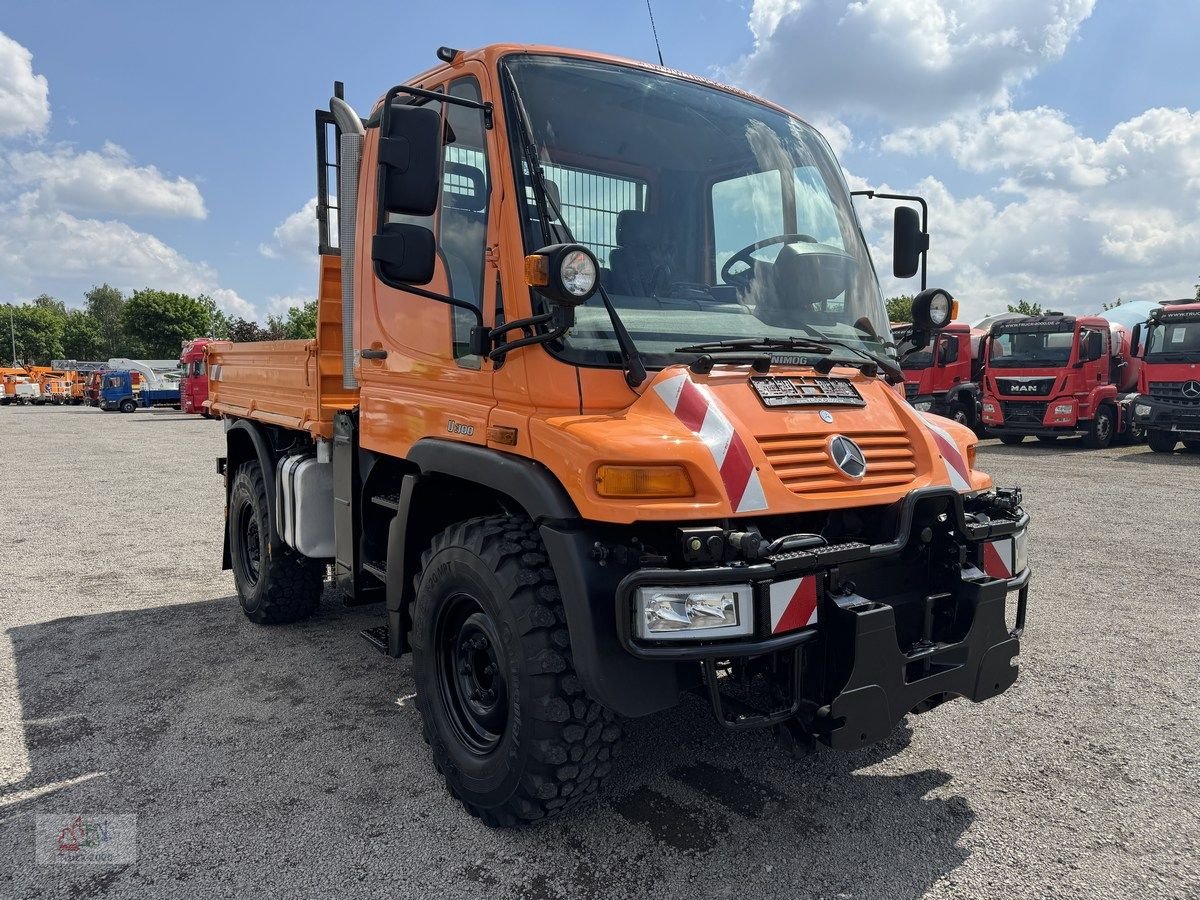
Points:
point(288, 761)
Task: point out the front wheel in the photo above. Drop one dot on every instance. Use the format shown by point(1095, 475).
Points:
point(1100, 432)
point(1010, 440)
point(502, 709)
point(1162, 441)
point(128, 406)
point(961, 413)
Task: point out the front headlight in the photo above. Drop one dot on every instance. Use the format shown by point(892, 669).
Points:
point(694, 612)
point(989, 407)
point(1063, 409)
point(923, 405)
point(1141, 409)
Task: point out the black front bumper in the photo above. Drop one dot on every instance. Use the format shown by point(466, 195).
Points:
point(1036, 430)
point(1164, 416)
point(878, 651)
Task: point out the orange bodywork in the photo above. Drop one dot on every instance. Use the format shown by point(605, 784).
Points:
point(570, 419)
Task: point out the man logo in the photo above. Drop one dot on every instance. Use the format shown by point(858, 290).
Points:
point(1022, 388)
point(847, 456)
point(1191, 390)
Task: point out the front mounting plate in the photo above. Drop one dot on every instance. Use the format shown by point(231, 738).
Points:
point(781, 391)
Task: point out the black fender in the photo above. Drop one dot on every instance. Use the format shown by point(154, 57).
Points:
point(609, 674)
point(236, 455)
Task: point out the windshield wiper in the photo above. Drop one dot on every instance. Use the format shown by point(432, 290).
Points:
point(764, 343)
point(635, 369)
point(891, 368)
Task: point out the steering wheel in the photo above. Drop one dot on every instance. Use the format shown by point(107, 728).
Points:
point(745, 256)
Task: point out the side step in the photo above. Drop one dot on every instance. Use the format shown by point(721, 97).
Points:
point(377, 637)
point(376, 568)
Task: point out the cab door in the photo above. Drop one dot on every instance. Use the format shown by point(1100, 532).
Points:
point(418, 377)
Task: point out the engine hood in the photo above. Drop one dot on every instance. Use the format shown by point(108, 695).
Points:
point(788, 442)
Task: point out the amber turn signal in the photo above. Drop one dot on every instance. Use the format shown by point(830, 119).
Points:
point(634, 482)
point(537, 270)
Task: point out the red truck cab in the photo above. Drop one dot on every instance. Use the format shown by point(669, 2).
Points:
point(1055, 376)
point(1168, 404)
point(193, 386)
point(941, 379)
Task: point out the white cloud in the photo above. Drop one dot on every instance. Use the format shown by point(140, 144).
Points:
point(24, 96)
point(104, 182)
point(278, 306)
point(903, 62)
point(296, 236)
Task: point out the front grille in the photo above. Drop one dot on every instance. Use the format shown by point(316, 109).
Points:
point(1171, 392)
point(804, 465)
point(1026, 387)
point(1023, 413)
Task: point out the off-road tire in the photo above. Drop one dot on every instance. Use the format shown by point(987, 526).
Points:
point(286, 586)
point(1103, 426)
point(127, 406)
point(1162, 441)
point(1011, 440)
point(1191, 446)
point(556, 745)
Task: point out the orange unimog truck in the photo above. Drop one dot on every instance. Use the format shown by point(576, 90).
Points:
point(602, 409)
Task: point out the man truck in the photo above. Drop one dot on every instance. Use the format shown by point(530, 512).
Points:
point(942, 378)
point(1055, 376)
point(1168, 403)
point(193, 385)
point(594, 429)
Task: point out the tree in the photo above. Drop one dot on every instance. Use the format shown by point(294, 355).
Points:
point(899, 309)
point(243, 331)
point(160, 321)
point(105, 305)
point(298, 323)
point(81, 337)
point(218, 328)
point(38, 331)
point(1025, 308)
point(45, 301)
point(1113, 305)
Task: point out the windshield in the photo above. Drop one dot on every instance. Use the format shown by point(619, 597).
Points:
point(713, 217)
point(1031, 349)
point(1175, 340)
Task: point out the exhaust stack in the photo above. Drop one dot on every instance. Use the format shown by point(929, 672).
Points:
point(350, 154)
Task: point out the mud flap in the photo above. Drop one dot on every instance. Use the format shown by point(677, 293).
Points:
point(885, 682)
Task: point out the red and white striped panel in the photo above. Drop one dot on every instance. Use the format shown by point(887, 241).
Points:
point(998, 558)
point(956, 466)
point(793, 604)
point(694, 406)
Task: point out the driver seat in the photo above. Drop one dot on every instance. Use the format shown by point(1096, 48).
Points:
point(638, 262)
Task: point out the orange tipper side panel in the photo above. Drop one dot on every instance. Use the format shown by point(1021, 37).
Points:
point(745, 459)
point(294, 384)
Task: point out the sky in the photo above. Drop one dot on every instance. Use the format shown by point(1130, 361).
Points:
point(171, 145)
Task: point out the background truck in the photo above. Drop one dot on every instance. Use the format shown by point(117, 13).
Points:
point(127, 379)
point(942, 378)
point(1168, 403)
point(1055, 376)
point(566, 436)
point(193, 383)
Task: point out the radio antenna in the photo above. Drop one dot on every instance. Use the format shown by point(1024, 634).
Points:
point(654, 31)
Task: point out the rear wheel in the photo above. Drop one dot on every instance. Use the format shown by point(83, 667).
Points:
point(1133, 433)
point(1162, 441)
point(502, 709)
point(1011, 439)
point(275, 584)
point(1100, 432)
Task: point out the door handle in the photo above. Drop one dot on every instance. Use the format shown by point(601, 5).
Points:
point(371, 353)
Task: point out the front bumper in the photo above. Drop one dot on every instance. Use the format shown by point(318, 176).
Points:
point(1163, 416)
point(884, 643)
point(1035, 430)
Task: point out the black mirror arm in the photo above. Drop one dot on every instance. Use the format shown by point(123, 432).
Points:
point(911, 198)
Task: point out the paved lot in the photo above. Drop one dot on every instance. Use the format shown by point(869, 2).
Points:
point(288, 762)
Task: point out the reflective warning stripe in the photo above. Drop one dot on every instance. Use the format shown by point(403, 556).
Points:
point(694, 406)
point(793, 604)
point(956, 467)
point(998, 558)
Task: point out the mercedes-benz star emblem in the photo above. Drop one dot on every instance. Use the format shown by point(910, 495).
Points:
point(847, 456)
point(826, 417)
point(1191, 390)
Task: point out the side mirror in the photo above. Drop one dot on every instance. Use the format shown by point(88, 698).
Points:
point(409, 174)
point(908, 242)
point(933, 309)
point(948, 350)
point(1135, 341)
point(1095, 346)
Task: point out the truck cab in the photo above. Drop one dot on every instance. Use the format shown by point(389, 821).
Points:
point(941, 379)
point(193, 384)
point(120, 389)
point(1055, 376)
point(1168, 403)
point(601, 410)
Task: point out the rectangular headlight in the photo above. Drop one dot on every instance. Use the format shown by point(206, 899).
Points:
point(1141, 409)
point(1064, 409)
point(694, 612)
point(989, 407)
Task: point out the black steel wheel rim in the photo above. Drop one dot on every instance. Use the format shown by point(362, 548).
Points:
point(250, 543)
point(472, 674)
